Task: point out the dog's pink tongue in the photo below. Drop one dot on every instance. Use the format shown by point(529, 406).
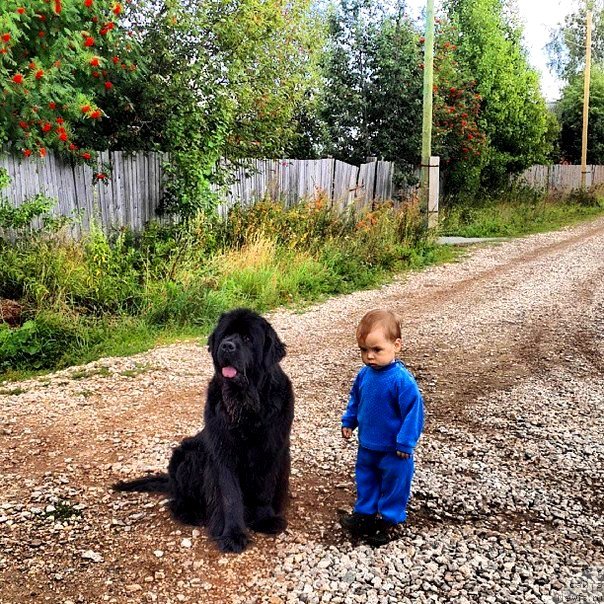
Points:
point(229, 372)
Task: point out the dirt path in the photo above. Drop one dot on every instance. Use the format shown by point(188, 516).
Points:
point(511, 323)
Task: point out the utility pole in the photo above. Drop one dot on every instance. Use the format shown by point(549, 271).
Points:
point(427, 117)
point(586, 100)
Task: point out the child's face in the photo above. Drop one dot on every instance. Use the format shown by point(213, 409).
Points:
point(378, 350)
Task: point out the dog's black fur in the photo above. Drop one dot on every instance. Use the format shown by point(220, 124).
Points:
point(235, 473)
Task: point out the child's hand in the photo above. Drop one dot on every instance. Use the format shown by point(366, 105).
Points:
point(346, 433)
point(403, 455)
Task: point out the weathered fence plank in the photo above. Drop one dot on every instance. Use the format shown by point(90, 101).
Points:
point(345, 185)
point(365, 183)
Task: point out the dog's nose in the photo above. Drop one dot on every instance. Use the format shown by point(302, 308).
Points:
point(228, 346)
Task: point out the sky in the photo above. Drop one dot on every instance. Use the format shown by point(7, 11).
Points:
point(539, 17)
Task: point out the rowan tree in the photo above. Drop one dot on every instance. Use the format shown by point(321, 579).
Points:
point(457, 137)
point(61, 62)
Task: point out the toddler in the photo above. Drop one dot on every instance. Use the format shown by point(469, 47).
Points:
point(387, 407)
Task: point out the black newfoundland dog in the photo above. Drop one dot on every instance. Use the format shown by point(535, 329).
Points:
point(234, 474)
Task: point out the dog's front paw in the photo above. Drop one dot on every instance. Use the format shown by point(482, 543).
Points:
point(233, 542)
point(271, 525)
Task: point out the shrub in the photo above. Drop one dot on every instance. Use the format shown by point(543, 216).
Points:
point(37, 344)
point(63, 63)
point(112, 294)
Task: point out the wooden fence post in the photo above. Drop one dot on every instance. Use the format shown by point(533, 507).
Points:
point(433, 188)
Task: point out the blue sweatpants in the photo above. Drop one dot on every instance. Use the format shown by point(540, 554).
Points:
point(383, 484)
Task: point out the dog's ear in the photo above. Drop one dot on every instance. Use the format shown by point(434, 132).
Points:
point(213, 336)
point(274, 348)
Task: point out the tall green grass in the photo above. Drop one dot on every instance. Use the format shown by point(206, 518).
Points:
point(121, 294)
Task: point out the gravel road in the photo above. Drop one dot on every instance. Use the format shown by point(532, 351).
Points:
point(508, 348)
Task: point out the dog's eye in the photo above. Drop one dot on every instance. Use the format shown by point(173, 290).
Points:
point(246, 339)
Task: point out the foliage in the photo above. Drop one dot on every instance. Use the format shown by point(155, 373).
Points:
point(570, 115)
point(227, 79)
point(457, 137)
point(304, 226)
point(61, 62)
point(513, 115)
point(372, 98)
point(81, 300)
point(119, 294)
point(552, 135)
point(310, 131)
point(566, 47)
point(197, 80)
point(591, 198)
point(36, 344)
point(517, 211)
point(19, 219)
point(489, 116)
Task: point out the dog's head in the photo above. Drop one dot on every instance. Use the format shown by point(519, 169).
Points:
point(244, 346)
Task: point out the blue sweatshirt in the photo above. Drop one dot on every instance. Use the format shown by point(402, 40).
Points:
point(386, 404)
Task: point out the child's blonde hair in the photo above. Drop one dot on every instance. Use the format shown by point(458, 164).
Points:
point(388, 321)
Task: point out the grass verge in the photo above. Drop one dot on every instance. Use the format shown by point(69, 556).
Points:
point(120, 295)
point(519, 211)
point(113, 296)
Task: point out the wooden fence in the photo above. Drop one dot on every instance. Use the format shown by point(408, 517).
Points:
point(129, 197)
point(290, 181)
point(561, 178)
point(132, 193)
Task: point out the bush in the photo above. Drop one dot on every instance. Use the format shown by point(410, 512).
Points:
point(592, 198)
point(37, 344)
point(117, 294)
point(303, 226)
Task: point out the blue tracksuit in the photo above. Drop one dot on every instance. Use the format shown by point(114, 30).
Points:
point(386, 405)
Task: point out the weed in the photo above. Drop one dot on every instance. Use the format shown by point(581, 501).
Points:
point(12, 392)
point(519, 212)
point(63, 510)
point(81, 374)
point(119, 294)
point(138, 369)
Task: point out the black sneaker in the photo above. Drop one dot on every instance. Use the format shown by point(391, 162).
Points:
point(358, 524)
point(384, 532)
